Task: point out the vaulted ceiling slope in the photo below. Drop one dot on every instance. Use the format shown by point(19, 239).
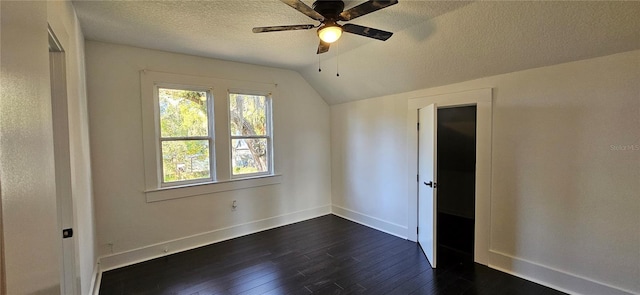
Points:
point(434, 42)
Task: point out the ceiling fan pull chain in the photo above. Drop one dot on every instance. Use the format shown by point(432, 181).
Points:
point(337, 60)
point(319, 69)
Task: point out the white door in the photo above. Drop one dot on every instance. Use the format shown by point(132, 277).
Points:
point(427, 117)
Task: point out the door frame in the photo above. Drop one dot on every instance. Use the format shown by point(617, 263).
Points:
point(69, 283)
point(482, 99)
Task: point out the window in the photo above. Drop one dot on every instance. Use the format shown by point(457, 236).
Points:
point(250, 129)
point(186, 137)
point(197, 145)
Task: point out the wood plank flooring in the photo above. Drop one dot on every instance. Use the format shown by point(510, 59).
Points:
point(325, 255)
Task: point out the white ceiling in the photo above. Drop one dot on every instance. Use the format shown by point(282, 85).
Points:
point(434, 42)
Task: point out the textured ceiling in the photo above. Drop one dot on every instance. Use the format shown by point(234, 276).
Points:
point(434, 42)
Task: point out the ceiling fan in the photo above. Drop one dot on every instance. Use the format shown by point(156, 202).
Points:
point(329, 13)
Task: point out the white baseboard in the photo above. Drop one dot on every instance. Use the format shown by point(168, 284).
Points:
point(96, 279)
point(130, 257)
point(528, 270)
point(370, 221)
point(550, 277)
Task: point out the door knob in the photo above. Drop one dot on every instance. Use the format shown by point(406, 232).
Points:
point(430, 184)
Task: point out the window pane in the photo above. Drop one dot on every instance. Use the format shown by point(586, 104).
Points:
point(183, 113)
point(185, 160)
point(249, 156)
point(248, 114)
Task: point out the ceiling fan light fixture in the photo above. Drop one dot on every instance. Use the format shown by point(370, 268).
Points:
point(330, 33)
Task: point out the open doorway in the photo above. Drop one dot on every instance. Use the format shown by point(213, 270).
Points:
point(422, 162)
point(456, 170)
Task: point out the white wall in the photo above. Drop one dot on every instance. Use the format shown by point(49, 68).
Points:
point(26, 152)
point(140, 230)
point(368, 162)
point(31, 235)
point(63, 21)
point(564, 202)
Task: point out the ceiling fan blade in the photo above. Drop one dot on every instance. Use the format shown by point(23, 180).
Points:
point(282, 28)
point(323, 47)
point(304, 8)
point(367, 32)
point(365, 8)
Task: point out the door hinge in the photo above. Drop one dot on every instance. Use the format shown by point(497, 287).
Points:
point(417, 230)
point(418, 126)
point(418, 177)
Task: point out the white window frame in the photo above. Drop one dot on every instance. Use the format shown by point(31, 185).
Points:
point(220, 170)
point(210, 137)
point(268, 136)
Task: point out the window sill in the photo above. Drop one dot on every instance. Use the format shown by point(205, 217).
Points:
point(177, 192)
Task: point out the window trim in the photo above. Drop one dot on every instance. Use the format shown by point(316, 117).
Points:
point(210, 131)
point(178, 192)
point(269, 136)
point(221, 132)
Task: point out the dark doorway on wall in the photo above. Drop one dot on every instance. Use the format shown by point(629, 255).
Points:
point(456, 171)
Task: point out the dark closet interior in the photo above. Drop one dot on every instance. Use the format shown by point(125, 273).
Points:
point(456, 164)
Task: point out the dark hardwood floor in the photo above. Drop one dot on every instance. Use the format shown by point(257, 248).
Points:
point(325, 255)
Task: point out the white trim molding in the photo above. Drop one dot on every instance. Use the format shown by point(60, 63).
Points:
point(550, 277)
point(176, 192)
point(370, 221)
point(96, 279)
point(134, 256)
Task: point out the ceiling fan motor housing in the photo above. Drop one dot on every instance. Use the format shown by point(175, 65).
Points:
point(328, 8)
